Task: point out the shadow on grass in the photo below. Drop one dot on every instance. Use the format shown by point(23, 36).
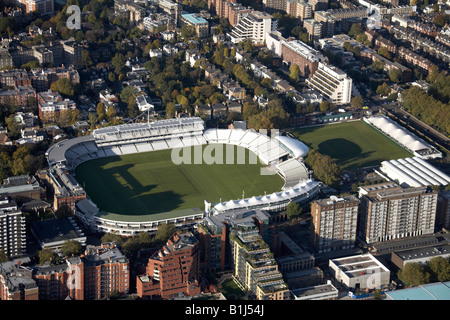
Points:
point(132, 197)
point(342, 150)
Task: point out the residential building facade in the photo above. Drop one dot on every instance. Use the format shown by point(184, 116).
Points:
point(333, 83)
point(334, 223)
point(388, 211)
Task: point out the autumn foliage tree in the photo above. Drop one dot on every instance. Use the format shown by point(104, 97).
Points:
point(324, 167)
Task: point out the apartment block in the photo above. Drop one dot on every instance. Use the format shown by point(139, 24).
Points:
point(101, 271)
point(106, 271)
point(43, 7)
point(219, 6)
point(16, 281)
point(299, 53)
point(334, 223)
point(274, 5)
point(299, 9)
point(254, 26)
point(389, 211)
point(60, 282)
point(313, 28)
point(234, 12)
point(255, 269)
point(12, 228)
point(52, 106)
point(200, 25)
point(21, 96)
point(333, 83)
point(172, 270)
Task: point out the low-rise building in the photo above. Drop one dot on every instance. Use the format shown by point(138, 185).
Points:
point(200, 25)
point(360, 272)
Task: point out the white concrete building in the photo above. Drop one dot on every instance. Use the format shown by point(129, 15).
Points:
point(333, 83)
point(360, 272)
point(255, 26)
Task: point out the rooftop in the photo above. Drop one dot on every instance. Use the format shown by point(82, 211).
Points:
point(194, 18)
point(432, 291)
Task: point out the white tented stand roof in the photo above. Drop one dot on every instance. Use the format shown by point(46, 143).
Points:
point(414, 172)
point(403, 137)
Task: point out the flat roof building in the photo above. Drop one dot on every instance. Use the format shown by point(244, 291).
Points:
point(53, 233)
point(431, 291)
point(200, 25)
point(320, 292)
point(420, 255)
point(360, 272)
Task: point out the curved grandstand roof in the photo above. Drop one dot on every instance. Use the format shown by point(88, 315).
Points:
point(57, 152)
point(298, 148)
point(299, 190)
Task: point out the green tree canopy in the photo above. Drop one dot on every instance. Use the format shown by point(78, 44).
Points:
point(324, 167)
point(71, 247)
point(357, 102)
point(413, 274)
point(293, 210)
point(64, 87)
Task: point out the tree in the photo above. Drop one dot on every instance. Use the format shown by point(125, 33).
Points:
point(164, 232)
point(324, 167)
point(355, 30)
point(63, 211)
point(3, 256)
point(383, 89)
point(294, 72)
point(64, 87)
point(92, 120)
point(325, 106)
point(171, 109)
point(413, 274)
point(187, 31)
point(128, 92)
point(439, 269)
point(71, 247)
point(111, 237)
point(395, 75)
point(383, 51)
point(293, 210)
point(47, 255)
point(118, 62)
point(111, 113)
point(357, 102)
point(111, 77)
point(101, 111)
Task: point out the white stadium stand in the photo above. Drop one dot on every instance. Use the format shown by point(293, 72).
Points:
point(283, 154)
point(414, 172)
point(403, 137)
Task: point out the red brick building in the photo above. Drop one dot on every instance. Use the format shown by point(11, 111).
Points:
point(307, 58)
point(172, 270)
point(60, 282)
point(106, 271)
point(16, 282)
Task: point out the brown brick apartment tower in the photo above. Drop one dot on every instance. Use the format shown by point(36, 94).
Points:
point(172, 270)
